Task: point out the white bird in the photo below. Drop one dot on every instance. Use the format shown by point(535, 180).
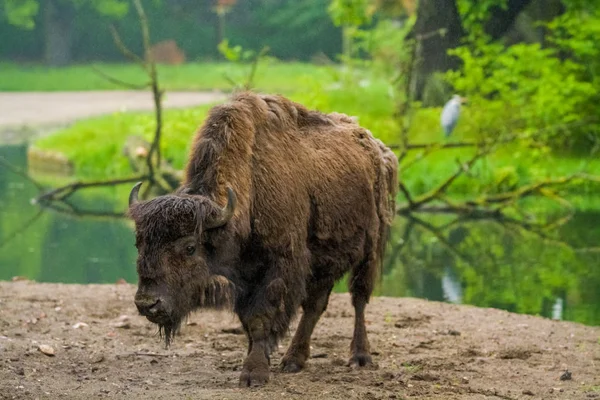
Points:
point(450, 113)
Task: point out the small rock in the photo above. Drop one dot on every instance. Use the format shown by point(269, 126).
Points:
point(80, 325)
point(19, 278)
point(121, 281)
point(47, 350)
point(122, 322)
point(122, 325)
point(566, 376)
point(528, 392)
point(465, 379)
point(96, 358)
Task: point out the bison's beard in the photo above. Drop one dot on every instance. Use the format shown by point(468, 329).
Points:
point(218, 293)
point(167, 330)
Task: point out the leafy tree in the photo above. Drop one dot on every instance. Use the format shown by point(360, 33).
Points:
point(58, 18)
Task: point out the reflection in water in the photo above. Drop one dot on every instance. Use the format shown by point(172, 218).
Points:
point(52, 247)
point(451, 286)
point(557, 309)
point(478, 262)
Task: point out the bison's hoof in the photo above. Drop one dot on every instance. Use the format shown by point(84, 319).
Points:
point(256, 377)
point(291, 365)
point(360, 359)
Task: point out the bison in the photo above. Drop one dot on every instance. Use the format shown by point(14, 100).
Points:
point(278, 202)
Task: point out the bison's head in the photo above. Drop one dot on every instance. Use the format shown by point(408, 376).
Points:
point(185, 243)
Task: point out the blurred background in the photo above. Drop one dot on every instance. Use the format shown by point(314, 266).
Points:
point(499, 201)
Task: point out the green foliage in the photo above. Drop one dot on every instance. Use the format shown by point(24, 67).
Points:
point(576, 32)
point(351, 12)
point(21, 12)
point(475, 13)
point(520, 87)
point(532, 89)
point(235, 53)
point(293, 30)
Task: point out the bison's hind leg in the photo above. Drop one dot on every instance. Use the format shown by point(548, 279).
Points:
point(313, 307)
point(361, 287)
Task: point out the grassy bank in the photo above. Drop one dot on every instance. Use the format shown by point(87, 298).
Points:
point(272, 77)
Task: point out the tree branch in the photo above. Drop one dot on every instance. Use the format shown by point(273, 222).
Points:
point(19, 172)
point(157, 93)
point(119, 82)
point(63, 192)
point(124, 50)
point(441, 188)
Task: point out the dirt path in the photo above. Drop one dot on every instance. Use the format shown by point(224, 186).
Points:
point(52, 108)
point(422, 350)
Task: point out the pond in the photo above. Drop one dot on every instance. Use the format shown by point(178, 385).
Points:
point(483, 263)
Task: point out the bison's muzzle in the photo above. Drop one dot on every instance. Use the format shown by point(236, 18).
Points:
point(151, 307)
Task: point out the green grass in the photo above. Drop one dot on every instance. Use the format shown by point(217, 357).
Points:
point(271, 77)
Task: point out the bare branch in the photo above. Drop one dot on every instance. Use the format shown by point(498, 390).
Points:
point(255, 62)
point(124, 50)
point(440, 237)
point(73, 211)
point(19, 172)
point(406, 193)
point(119, 82)
point(144, 26)
point(157, 93)
point(530, 190)
point(435, 193)
point(61, 193)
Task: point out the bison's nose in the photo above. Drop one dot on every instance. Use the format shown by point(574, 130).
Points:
point(147, 306)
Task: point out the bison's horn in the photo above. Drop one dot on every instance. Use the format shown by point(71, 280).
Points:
point(133, 196)
point(225, 214)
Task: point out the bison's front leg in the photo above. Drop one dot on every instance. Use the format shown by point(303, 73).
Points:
point(264, 319)
point(256, 365)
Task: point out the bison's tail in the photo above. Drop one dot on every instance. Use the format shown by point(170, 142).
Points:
point(386, 207)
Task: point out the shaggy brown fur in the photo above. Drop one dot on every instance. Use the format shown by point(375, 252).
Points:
point(315, 199)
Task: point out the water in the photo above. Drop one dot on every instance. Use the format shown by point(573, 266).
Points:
point(479, 262)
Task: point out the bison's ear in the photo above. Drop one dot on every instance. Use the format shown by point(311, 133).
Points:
point(225, 214)
point(133, 196)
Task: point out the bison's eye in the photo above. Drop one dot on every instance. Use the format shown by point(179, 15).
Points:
point(190, 250)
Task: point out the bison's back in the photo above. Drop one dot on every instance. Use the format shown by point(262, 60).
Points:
point(323, 184)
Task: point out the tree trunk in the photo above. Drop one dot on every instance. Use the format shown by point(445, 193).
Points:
point(58, 26)
point(433, 15)
point(501, 20)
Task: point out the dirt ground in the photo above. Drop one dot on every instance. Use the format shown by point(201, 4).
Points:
point(422, 350)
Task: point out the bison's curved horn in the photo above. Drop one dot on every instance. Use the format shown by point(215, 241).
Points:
point(133, 196)
point(226, 212)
